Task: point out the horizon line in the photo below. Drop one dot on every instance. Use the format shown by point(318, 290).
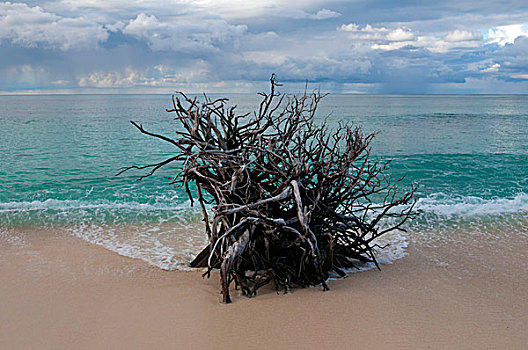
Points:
point(6, 94)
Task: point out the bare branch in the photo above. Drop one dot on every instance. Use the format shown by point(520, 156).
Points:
point(292, 201)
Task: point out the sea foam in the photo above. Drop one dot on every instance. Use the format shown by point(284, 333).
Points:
point(169, 236)
point(445, 205)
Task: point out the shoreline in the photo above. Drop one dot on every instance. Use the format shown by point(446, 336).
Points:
point(60, 292)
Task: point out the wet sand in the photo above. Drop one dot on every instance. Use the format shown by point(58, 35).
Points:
point(59, 292)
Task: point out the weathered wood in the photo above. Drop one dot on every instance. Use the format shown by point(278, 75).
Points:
point(293, 202)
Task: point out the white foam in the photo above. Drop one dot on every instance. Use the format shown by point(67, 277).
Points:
point(169, 248)
point(175, 239)
point(65, 204)
point(444, 205)
point(173, 247)
point(437, 203)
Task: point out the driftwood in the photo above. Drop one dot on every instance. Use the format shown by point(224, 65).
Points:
point(292, 203)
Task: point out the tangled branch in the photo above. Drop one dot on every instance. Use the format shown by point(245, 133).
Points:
point(292, 202)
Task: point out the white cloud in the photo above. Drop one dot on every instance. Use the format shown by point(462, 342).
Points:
point(262, 43)
point(440, 45)
point(114, 79)
point(262, 8)
point(506, 34)
point(351, 27)
point(355, 28)
point(142, 25)
point(520, 76)
point(32, 26)
point(369, 32)
point(492, 69)
point(184, 35)
point(462, 35)
point(265, 57)
point(400, 34)
point(300, 14)
point(389, 39)
point(391, 46)
point(227, 9)
point(156, 76)
point(60, 82)
point(325, 14)
point(115, 26)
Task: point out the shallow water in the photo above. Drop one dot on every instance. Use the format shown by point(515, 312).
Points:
point(467, 155)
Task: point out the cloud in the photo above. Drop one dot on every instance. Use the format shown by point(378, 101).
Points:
point(183, 35)
point(137, 45)
point(324, 14)
point(513, 60)
point(368, 32)
point(442, 46)
point(400, 34)
point(520, 76)
point(301, 14)
point(390, 39)
point(155, 76)
point(128, 78)
point(60, 82)
point(32, 26)
point(492, 69)
point(462, 35)
point(506, 34)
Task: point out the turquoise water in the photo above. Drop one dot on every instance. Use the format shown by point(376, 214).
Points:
point(467, 155)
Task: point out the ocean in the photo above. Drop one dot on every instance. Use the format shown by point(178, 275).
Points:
point(466, 154)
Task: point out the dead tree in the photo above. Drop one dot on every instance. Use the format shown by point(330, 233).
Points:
point(290, 202)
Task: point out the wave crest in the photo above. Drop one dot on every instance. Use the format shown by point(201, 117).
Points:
point(445, 205)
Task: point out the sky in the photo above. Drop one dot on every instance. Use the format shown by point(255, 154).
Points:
point(353, 46)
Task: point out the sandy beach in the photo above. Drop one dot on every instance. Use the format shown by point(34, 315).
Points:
point(59, 292)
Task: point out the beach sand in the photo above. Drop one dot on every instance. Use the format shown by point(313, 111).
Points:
point(59, 292)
